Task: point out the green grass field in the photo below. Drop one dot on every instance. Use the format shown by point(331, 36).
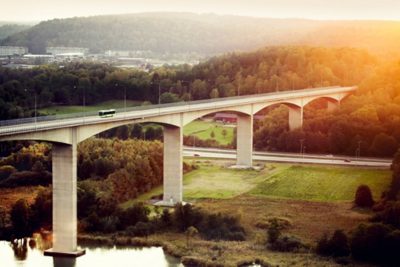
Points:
point(202, 130)
point(302, 182)
point(74, 109)
point(322, 183)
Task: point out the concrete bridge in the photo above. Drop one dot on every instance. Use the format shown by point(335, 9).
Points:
point(66, 132)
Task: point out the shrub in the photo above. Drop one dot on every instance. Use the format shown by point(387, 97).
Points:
point(287, 244)
point(390, 214)
point(25, 178)
point(338, 244)
point(20, 215)
point(6, 171)
point(131, 216)
point(109, 224)
point(41, 209)
point(141, 229)
point(166, 218)
point(273, 231)
point(323, 246)
point(363, 197)
point(368, 242)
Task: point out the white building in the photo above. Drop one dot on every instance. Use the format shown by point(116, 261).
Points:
point(6, 51)
point(61, 50)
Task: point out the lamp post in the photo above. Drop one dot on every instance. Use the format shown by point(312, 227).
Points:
point(84, 103)
point(35, 105)
point(124, 101)
point(190, 93)
point(159, 93)
point(301, 145)
point(358, 150)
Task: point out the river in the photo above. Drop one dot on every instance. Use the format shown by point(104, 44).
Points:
point(30, 254)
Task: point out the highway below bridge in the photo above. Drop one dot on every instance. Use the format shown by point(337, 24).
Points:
point(289, 157)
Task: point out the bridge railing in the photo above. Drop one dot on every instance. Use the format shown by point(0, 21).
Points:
point(4, 123)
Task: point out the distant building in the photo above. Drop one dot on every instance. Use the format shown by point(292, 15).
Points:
point(61, 50)
point(6, 51)
point(126, 53)
point(225, 117)
point(38, 59)
point(231, 118)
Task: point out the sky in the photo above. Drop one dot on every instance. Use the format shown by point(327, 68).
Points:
point(38, 10)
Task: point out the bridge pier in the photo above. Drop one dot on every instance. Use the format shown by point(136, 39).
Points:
point(64, 159)
point(244, 141)
point(295, 117)
point(173, 166)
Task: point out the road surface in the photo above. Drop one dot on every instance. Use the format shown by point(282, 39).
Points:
point(288, 157)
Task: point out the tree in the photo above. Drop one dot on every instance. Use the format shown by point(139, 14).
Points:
point(273, 232)
point(363, 197)
point(395, 184)
point(190, 232)
point(136, 131)
point(168, 97)
point(122, 132)
point(166, 218)
point(212, 134)
point(214, 93)
point(224, 133)
point(384, 145)
point(20, 214)
point(339, 244)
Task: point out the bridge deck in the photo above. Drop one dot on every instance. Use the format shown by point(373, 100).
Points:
point(8, 127)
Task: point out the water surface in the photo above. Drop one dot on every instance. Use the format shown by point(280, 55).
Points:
point(28, 254)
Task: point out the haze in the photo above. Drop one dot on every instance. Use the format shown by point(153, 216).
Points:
point(28, 10)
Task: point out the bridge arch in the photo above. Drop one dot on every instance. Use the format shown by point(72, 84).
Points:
point(194, 115)
point(335, 99)
point(88, 131)
point(291, 104)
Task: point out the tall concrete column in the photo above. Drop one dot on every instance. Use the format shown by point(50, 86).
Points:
point(333, 106)
point(173, 165)
point(295, 117)
point(244, 142)
point(64, 159)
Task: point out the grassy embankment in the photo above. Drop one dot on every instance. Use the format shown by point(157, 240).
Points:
point(280, 181)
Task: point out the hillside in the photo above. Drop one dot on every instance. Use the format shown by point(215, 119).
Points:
point(11, 29)
point(161, 32)
point(204, 35)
